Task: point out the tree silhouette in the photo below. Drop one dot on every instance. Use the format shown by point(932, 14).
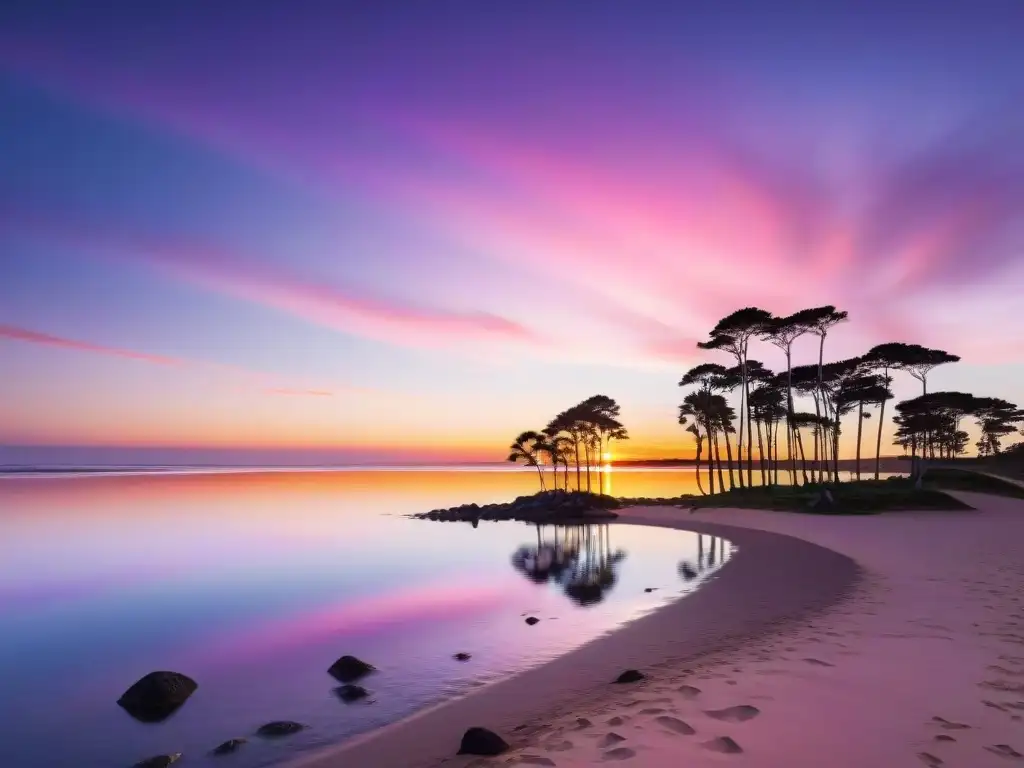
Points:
point(732, 334)
point(883, 358)
point(782, 332)
point(526, 448)
point(819, 320)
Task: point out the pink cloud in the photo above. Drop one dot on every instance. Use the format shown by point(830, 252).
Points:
point(35, 337)
point(16, 333)
point(224, 271)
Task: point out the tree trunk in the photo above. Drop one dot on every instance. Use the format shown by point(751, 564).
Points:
point(746, 408)
point(878, 442)
point(775, 443)
point(789, 414)
point(728, 457)
point(739, 438)
point(700, 448)
point(540, 474)
point(860, 424)
point(586, 455)
point(760, 454)
point(803, 456)
point(718, 462)
point(576, 450)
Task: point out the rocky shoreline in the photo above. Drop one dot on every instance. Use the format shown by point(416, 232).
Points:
point(548, 507)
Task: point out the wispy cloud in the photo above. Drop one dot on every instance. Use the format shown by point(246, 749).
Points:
point(225, 271)
point(251, 379)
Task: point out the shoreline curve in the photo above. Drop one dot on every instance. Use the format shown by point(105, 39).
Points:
point(772, 580)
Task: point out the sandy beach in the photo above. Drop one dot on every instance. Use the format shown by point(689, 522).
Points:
point(895, 639)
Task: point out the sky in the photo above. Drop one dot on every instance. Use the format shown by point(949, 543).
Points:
point(391, 231)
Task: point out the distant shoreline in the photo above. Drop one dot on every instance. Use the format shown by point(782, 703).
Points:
point(889, 464)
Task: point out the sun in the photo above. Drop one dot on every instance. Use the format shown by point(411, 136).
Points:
point(606, 457)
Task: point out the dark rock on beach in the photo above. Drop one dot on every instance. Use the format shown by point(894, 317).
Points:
point(531, 620)
point(543, 507)
point(480, 741)
point(229, 746)
point(160, 761)
point(280, 728)
point(349, 668)
point(462, 656)
point(630, 676)
point(349, 692)
point(157, 695)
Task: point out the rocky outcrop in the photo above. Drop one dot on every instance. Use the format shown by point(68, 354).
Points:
point(480, 741)
point(544, 507)
point(348, 669)
point(157, 695)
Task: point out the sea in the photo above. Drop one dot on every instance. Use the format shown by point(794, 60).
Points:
point(254, 581)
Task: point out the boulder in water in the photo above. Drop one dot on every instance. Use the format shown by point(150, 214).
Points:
point(462, 656)
point(480, 741)
point(348, 669)
point(160, 761)
point(157, 695)
point(229, 746)
point(280, 728)
point(531, 620)
point(350, 693)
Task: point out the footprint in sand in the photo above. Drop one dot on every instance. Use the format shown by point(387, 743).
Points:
point(1004, 671)
point(948, 724)
point(819, 663)
point(533, 760)
point(999, 685)
point(558, 746)
point(1005, 750)
point(723, 744)
point(944, 737)
point(652, 711)
point(582, 722)
point(675, 725)
point(930, 760)
point(610, 739)
point(737, 714)
point(994, 705)
point(616, 721)
point(621, 753)
point(689, 691)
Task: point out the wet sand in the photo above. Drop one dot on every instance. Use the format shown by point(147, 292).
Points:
point(847, 641)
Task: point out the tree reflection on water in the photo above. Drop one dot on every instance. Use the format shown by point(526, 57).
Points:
point(709, 559)
point(577, 557)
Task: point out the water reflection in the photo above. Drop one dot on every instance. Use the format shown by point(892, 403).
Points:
point(579, 558)
point(712, 553)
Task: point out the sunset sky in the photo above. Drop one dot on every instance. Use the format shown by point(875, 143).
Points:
point(397, 231)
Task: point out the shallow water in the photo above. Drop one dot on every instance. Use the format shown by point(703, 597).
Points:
point(253, 584)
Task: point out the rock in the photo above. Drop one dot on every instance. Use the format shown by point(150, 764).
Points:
point(630, 676)
point(229, 746)
point(157, 695)
point(480, 741)
point(531, 620)
point(160, 761)
point(650, 589)
point(349, 668)
point(349, 692)
point(280, 728)
point(461, 656)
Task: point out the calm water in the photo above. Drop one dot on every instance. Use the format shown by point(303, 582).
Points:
point(253, 584)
